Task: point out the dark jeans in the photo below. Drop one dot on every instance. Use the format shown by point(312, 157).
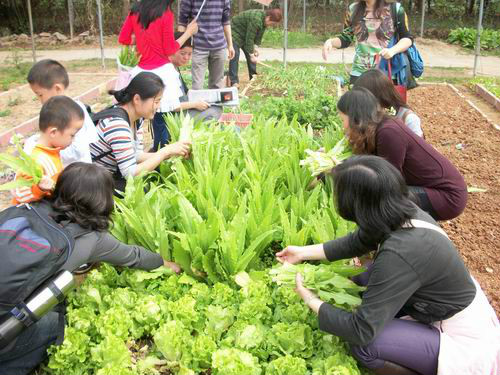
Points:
point(407, 343)
point(31, 346)
point(422, 200)
point(161, 135)
point(233, 65)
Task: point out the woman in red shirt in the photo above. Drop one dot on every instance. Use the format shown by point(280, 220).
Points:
point(152, 23)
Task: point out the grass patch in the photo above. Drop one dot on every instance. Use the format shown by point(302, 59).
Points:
point(491, 84)
point(5, 112)
point(15, 74)
point(273, 38)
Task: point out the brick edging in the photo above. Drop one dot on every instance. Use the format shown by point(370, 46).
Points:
point(495, 126)
point(484, 93)
point(31, 124)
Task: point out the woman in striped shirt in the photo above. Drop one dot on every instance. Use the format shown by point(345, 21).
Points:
point(119, 147)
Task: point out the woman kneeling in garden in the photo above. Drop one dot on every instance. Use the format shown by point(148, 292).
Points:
point(83, 197)
point(438, 186)
point(422, 312)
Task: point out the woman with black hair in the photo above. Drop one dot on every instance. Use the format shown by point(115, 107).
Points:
point(379, 84)
point(422, 312)
point(438, 185)
point(83, 197)
point(119, 148)
point(372, 25)
point(152, 23)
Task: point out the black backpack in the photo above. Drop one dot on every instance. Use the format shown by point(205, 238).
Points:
point(34, 247)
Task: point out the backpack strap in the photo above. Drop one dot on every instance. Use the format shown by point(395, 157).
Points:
point(113, 111)
point(425, 225)
point(395, 20)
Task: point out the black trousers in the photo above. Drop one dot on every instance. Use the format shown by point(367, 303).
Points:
point(234, 63)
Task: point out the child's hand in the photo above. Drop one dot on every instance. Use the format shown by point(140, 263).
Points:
point(46, 184)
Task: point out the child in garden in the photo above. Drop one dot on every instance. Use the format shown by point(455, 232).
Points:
point(48, 78)
point(60, 120)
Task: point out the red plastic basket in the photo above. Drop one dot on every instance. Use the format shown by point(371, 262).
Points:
point(242, 120)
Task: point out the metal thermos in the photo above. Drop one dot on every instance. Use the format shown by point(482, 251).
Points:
point(38, 305)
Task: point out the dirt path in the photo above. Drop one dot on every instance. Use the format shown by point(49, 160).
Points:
point(472, 144)
point(434, 53)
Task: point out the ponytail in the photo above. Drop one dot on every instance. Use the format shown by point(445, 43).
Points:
point(145, 84)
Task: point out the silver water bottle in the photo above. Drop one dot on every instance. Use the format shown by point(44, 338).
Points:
point(37, 305)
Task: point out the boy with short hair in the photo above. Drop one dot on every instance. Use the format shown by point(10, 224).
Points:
point(48, 78)
point(60, 120)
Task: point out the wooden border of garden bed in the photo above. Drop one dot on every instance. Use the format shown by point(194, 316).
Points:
point(457, 91)
point(31, 124)
point(487, 95)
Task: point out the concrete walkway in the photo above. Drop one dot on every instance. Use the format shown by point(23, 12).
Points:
point(434, 53)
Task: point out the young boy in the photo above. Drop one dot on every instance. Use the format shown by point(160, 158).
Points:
point(60, 120)
point(48, 78)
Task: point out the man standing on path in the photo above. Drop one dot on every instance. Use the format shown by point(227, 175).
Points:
point(248, 28)
point(211, 41)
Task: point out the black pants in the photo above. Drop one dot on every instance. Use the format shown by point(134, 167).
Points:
point(233, 65)
point(422, 200)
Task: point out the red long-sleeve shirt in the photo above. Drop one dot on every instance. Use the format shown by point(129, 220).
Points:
point(155, 43)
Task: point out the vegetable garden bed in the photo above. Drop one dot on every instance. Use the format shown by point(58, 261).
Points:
point(472, 144)
point(242, 197)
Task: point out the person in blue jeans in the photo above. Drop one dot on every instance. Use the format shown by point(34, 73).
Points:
point(421, 312)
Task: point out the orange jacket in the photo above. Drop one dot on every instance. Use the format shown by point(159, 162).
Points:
point(50, 161)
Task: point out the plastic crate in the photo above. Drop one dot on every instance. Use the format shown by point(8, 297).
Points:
point(242, 120)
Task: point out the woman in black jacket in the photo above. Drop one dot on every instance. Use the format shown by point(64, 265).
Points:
point(417, 274)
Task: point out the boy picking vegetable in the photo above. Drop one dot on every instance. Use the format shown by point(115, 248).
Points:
point(60, 119)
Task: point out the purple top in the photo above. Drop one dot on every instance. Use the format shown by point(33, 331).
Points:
point(422, 165)
point(214, 16)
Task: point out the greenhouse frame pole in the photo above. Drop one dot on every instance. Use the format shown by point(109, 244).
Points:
point(304, 17)
point(285, 27)
point(101, 38)
point(31, 31)
point(422, 20)
point(71, 15)
point(478, 40)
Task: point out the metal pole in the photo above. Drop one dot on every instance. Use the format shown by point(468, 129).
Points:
point(422, 21)
point(304, 17)
point(285, 27)
point(71, 15)
point(478, 40)
point(178, 8)
point(31, 31)
point(101, 38)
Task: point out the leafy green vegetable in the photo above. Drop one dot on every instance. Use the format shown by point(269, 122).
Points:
point(235, 362)
point(328, 281)
point(128, 56)
point(287, 365)
point(28, 171)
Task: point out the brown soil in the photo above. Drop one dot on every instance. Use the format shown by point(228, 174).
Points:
point(24, 105)
point(472, 144)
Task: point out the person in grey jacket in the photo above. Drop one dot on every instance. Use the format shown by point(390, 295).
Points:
point(83, 196)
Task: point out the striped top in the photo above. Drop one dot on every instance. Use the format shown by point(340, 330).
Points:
point(213, 17)
point(122, 141)
point(50, 161)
